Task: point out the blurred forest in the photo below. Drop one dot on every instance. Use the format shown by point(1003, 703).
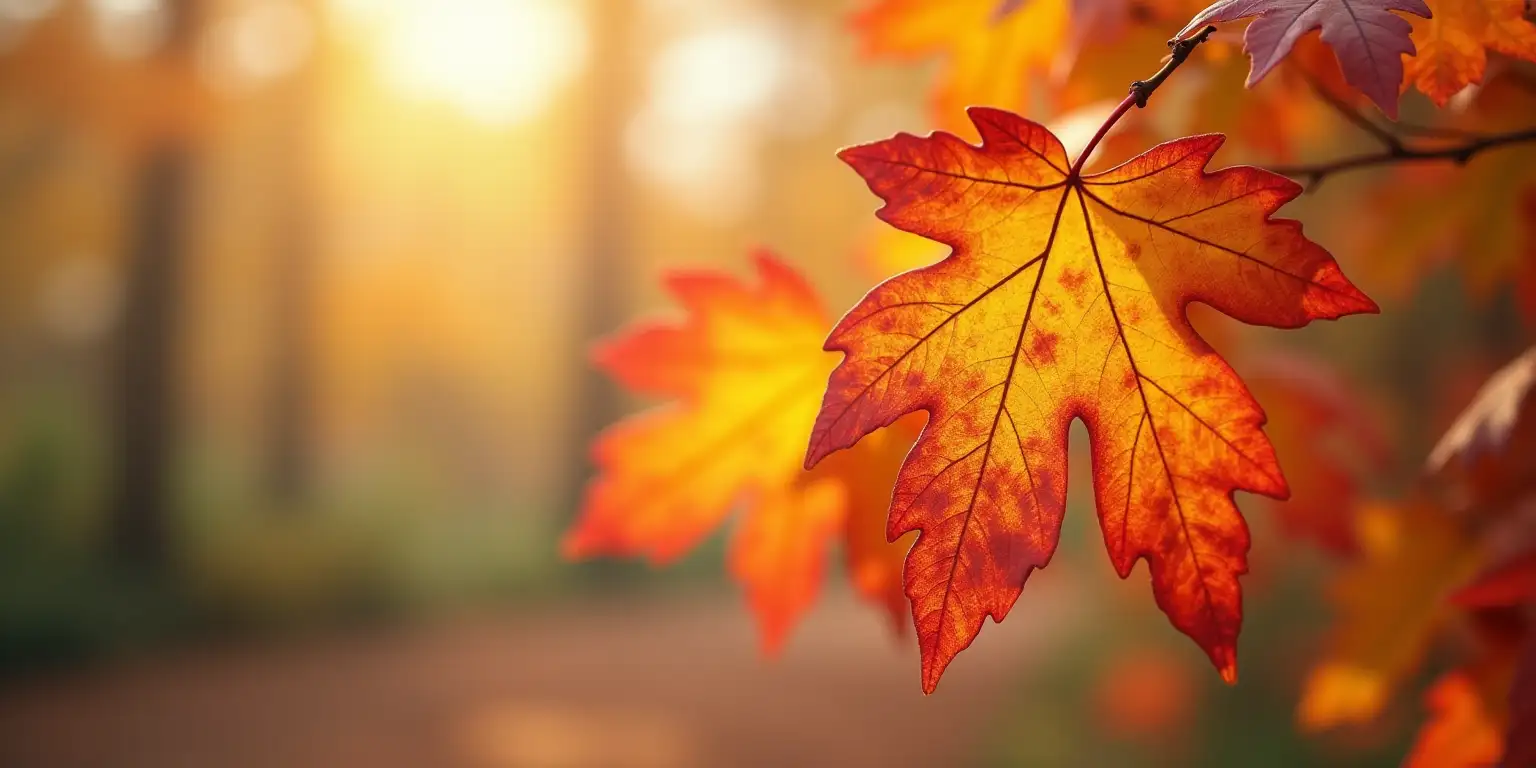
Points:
point(296, 298)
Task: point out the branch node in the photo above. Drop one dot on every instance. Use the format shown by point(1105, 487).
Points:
point(1141, 92)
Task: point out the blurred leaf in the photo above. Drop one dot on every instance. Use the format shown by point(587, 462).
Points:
point(1459, 732)
point(1048, 310)
point(1510, 584)
point(1488, 453)
point(1389, 604)
point(1146, 694)
point(1325, 437)
point(1451, 43)
point(987, 59)
point(746, 368)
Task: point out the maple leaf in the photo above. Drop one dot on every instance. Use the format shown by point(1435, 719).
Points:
point(1390, 603)
point(745, 367)
point(1368, 39)
point(1064, 298)
point(1453, 43)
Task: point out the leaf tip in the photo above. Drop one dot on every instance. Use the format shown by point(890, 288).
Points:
point(930, 680)
point(1225, 659)
point(1229, 674)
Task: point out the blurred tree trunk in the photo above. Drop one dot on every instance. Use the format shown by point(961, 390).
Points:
point(146, 398)
point(600, 292)
point(289, 455)
point(146, 404)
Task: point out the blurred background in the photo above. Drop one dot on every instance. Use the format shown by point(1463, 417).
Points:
point(295, 297)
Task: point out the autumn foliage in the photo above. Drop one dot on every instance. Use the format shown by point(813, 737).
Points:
point(746, 369)
point(1065, 298)
point(1038, 293)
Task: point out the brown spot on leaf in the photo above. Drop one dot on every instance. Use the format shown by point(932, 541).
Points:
point(1073, 280)
point(1043, 349)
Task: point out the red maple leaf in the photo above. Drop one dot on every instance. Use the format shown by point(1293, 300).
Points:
point(1064, 298)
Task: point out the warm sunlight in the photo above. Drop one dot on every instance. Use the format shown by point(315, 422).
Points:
point(499, 61)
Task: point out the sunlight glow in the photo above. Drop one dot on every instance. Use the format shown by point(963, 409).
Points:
point(258, 43)
point(713, 94)
point(498, 61)
point(16, 16)
point(129, 29)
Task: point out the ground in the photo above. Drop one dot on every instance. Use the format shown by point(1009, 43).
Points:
point(615, 684)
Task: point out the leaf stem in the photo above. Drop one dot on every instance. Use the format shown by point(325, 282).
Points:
point(1462, 153)
point(1141, 90)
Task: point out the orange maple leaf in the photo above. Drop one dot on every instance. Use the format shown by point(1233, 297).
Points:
point(1065, 298)
point(1460, 731)
point(745, 367)
point(1452, 45)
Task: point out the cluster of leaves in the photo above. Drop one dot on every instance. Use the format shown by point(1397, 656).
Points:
point(940, 404)
point(1452, 564)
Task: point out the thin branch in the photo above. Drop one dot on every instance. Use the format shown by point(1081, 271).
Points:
point(1437, 132)
point(1386, 137)
point(1460, 154)
point(1391, 135)
point(1141, 90)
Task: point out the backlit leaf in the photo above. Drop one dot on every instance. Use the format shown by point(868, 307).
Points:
point(1368, 38)
point(1064, 298)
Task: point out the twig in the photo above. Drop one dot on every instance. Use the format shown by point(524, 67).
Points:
point(1141, 90)
point(1460, 154)
point(1392, 135)
point(1437, 132)
point(1386, 137)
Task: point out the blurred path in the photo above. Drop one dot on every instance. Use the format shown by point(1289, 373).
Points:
point(641, 682)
